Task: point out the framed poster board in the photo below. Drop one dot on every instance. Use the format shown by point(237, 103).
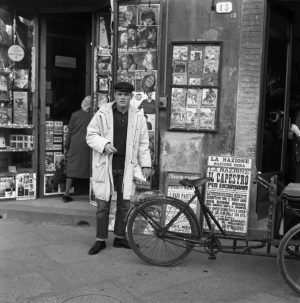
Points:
point(195, 86)
point(227, 195)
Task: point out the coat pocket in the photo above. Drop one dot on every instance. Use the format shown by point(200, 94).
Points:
point(99, 172)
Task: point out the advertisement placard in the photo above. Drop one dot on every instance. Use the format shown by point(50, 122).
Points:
point(227, 195)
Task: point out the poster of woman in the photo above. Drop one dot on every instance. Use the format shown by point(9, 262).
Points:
point(127, 15)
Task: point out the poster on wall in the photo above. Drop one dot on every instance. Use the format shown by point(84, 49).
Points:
point(137, 34)
point(175, 190)
point(26, 186)
point(20, 107)
point(194, 88)
point(50, 187)
point(227, 195)
point(7, 187)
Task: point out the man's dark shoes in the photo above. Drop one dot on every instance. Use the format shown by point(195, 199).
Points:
point(121, 242)
point(66, 198)
point(97, 247)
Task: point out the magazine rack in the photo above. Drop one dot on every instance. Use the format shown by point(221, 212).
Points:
point(17, 117)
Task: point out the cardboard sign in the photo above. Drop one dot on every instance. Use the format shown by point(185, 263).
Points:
point(227, 196)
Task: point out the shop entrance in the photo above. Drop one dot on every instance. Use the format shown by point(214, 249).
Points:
point(281, 89)
point(281, 98)
point(65, 72)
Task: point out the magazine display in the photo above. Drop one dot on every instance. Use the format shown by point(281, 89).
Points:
point(137, 64)
point(195, 86)
point(7, 187)
point(20, 108)
point(26, 186)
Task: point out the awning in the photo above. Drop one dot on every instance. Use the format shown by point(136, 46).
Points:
point(54, 6)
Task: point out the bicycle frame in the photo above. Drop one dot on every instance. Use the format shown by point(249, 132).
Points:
point(154, 245)
point(205, 210)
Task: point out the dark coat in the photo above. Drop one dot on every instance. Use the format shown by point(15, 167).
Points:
point(78, 152)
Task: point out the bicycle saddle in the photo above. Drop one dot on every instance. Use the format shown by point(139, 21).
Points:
point(291, 192)
point(194, 182)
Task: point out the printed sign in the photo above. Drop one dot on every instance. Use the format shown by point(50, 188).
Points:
point(224, 7)
point(175, 190)
point(26, 186)
point(15, 53)
point(227, 195)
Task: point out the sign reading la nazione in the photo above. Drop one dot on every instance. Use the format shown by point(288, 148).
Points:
point(227, 195)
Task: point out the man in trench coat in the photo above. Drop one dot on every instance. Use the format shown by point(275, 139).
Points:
point(119, 138)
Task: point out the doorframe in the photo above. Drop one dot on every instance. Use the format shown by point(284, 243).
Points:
point(41, 84)
point(42, 100)
point(289, 38)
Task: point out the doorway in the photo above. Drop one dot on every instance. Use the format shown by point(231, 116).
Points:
point(65, 79)
point(281, 97)
point(276, 103)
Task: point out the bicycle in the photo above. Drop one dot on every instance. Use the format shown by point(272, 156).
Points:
point(163, 230)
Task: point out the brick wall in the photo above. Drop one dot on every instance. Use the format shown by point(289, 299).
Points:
point(249, 77)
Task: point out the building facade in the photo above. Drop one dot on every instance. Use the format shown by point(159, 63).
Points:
point(222, 78)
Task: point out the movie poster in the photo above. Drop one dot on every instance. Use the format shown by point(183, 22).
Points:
point(180, 53)
point(147, 37)
point(207, 118)
point(104, 66)
point(148, 14)
point(146, 60)
point(122, 39)
point(132, 38)
point(49, 161)
point(127, 61)
point(145, 81)
point(211, 65)
point(125, 76)
point(102, 84)
point(26, 186)
point(20, 107)
point(50, 187)
point(7, 187)
point(209, 97)
point(127, 15)
point(21, 79)
point(178, 99)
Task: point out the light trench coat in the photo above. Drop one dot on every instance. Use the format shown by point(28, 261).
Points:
point(100, 132)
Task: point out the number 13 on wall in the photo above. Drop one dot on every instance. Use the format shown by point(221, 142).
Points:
point(224, 7)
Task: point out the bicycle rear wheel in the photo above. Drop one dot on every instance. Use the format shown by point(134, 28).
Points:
point(288, 258)
point(153, 244)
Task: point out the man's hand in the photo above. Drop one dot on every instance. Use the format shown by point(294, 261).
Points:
point(295, 129)
point(146, 172)
point(109, 149)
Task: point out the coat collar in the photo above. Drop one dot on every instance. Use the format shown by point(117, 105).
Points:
point(106, 108)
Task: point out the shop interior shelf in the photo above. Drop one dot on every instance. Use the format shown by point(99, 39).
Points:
point(10, 149)
point(17, 126)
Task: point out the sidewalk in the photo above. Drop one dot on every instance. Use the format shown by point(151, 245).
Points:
point(79, 211)
point(49, 263)
point(46, 261)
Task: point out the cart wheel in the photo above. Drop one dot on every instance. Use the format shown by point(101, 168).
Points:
point(288, 257)
point(149, 239)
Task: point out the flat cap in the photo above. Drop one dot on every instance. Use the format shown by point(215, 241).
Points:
point(124, 87)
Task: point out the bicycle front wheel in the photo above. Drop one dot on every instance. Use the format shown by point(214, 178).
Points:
point(288, 258)
point(152, 241)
